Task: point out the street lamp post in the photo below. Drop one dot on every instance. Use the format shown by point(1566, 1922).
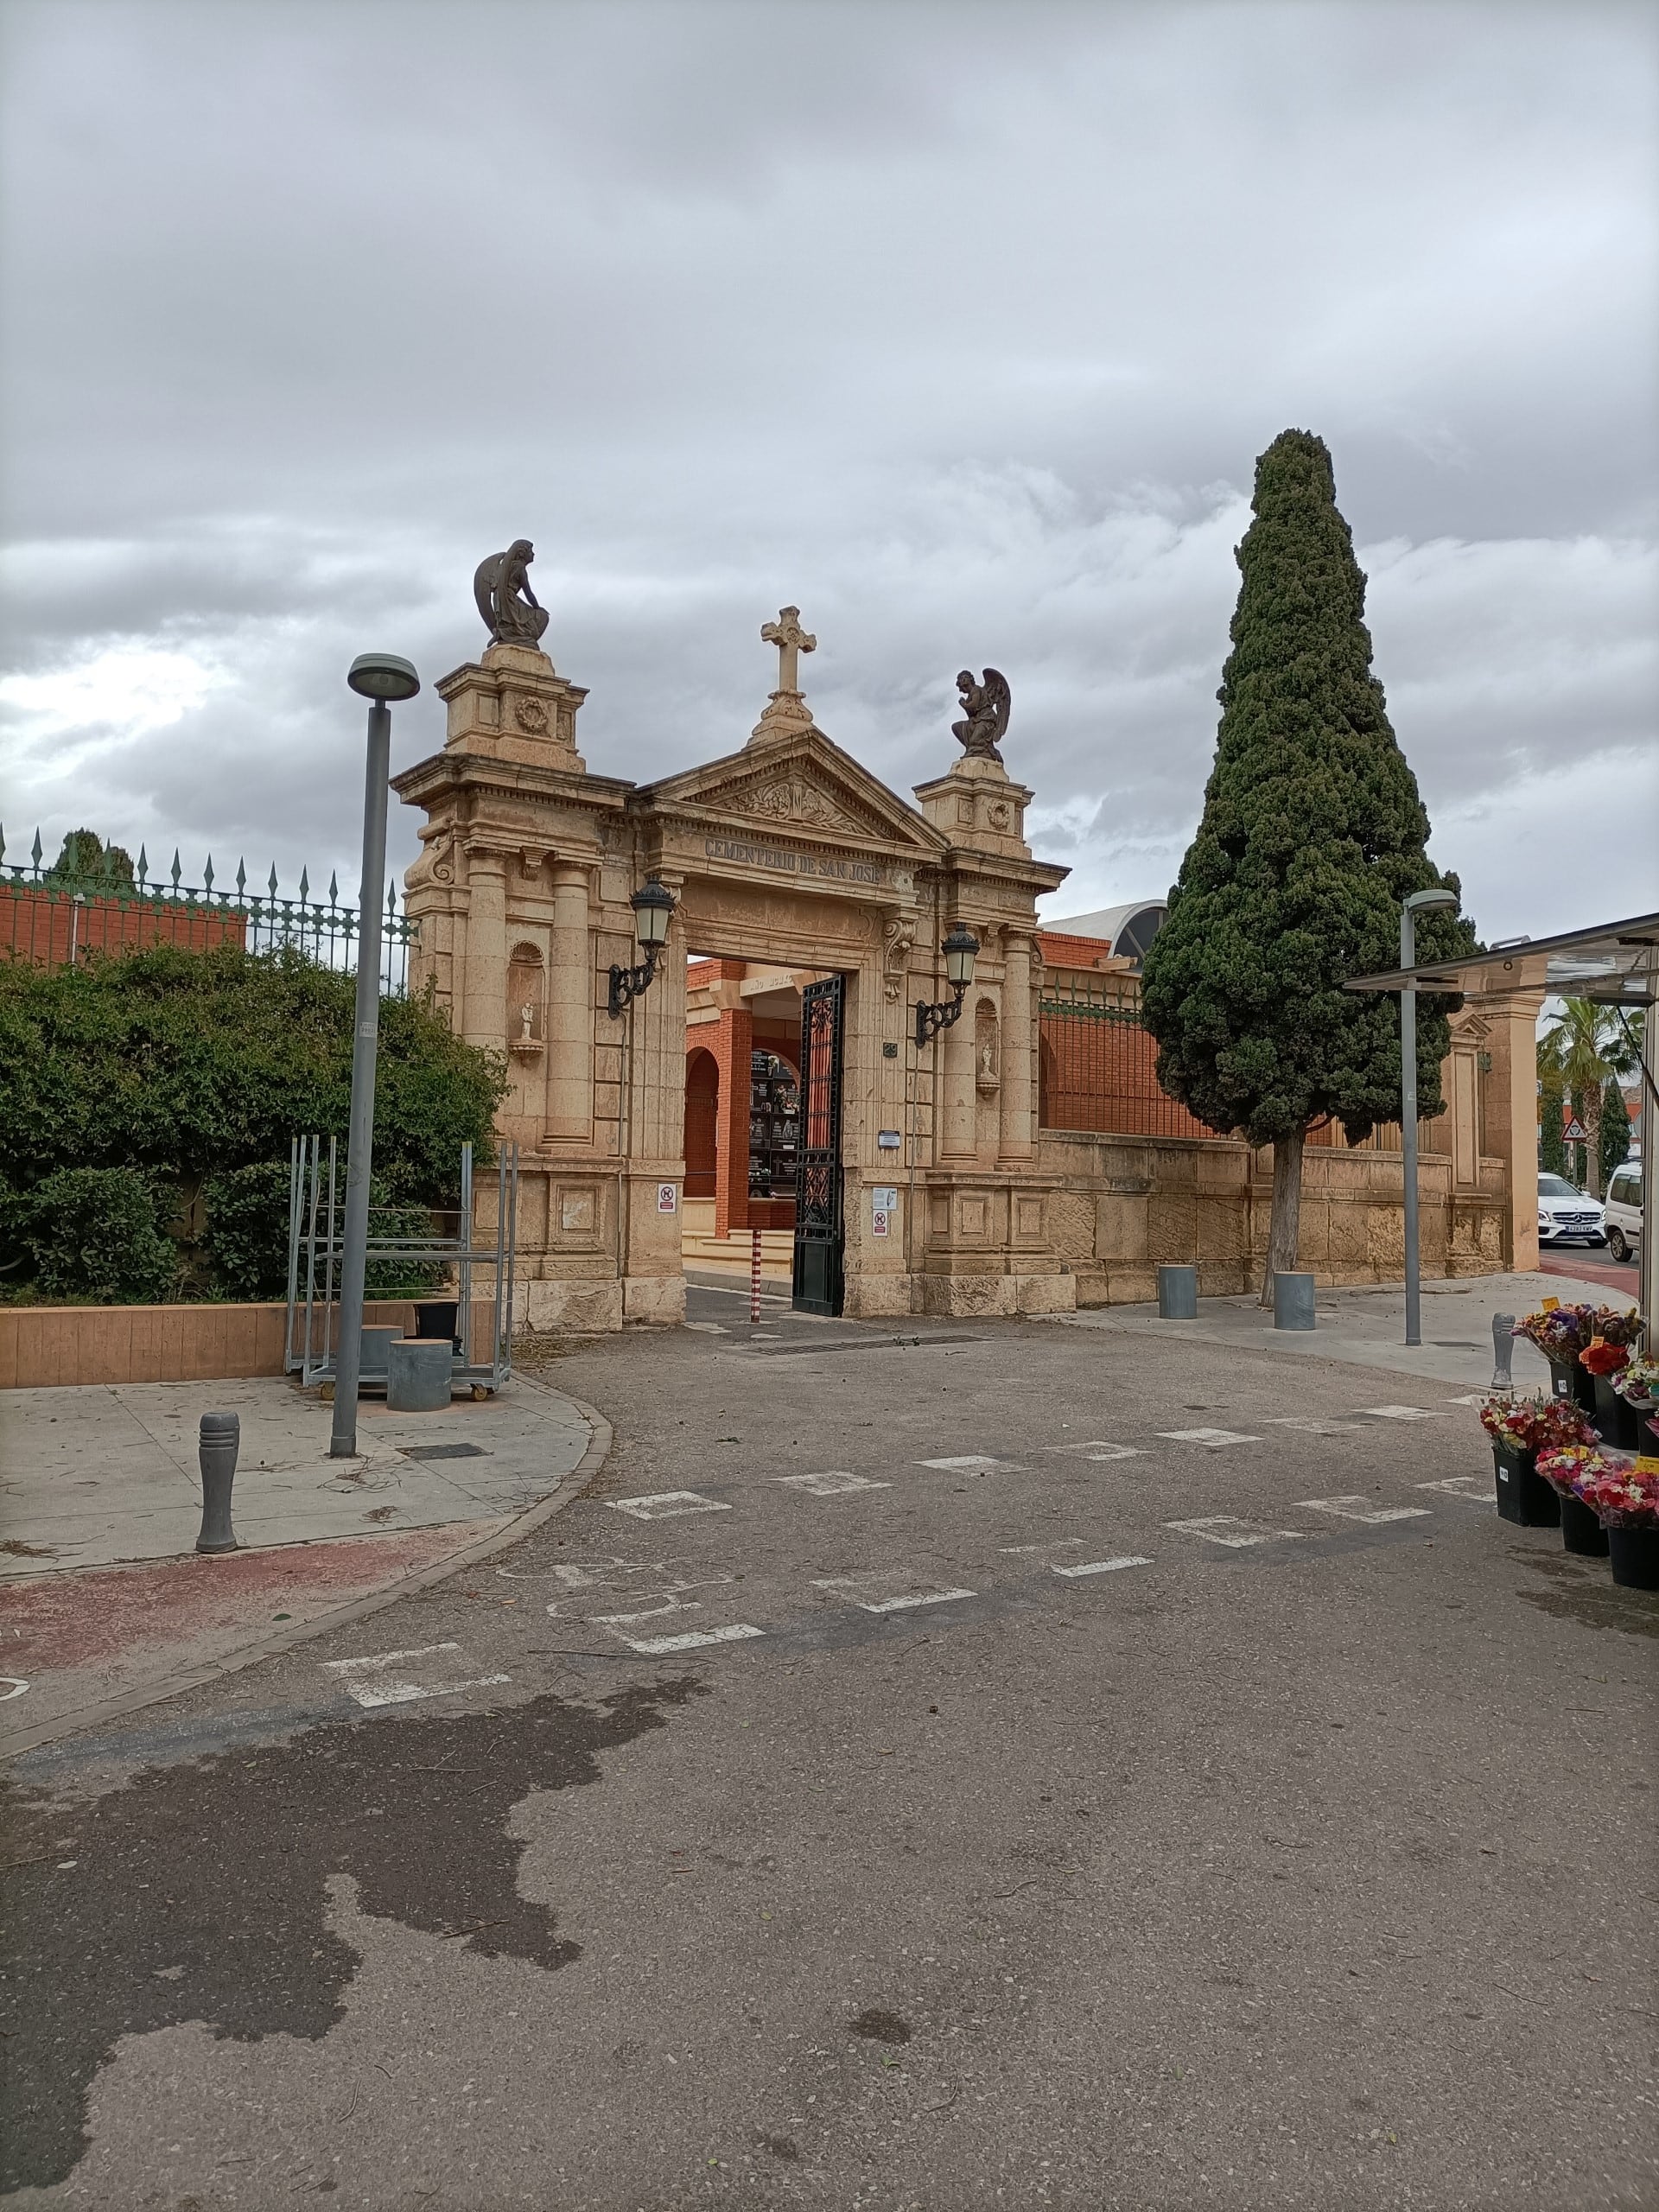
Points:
point(1410, 907)
point(379, 679)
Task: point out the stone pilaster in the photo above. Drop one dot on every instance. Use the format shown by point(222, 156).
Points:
point(570, 1010)
point(1018, 1136)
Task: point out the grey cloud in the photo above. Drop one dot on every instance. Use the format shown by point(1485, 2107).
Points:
point(960, 326)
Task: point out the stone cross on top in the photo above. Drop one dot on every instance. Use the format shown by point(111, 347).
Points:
point(790, 640)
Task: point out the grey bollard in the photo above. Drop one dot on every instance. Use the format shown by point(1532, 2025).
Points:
point(220, 1442)
point(1293, 1302)
point(1177, 1293)
point(417, 1375)
point(1503, 1351)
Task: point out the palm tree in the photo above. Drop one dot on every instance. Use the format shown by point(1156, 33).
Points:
point(1583, 1046)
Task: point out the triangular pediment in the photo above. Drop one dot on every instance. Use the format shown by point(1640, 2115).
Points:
point(800, 785)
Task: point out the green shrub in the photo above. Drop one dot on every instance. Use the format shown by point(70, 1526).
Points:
point(246, 1240)
point(93, 1236)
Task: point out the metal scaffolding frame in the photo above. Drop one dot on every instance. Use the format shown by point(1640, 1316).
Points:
point(316, 1209)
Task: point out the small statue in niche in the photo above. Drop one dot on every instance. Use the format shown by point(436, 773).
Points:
point(987, 1078)
point(512, 614)
point(527, 1023)
point(986, 708)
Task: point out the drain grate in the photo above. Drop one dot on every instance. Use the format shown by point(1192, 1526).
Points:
point(443, 1451)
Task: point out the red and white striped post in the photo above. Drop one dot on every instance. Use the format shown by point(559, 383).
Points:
point(754, 1274)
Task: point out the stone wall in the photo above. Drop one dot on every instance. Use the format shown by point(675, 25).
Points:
point(1127, 1205)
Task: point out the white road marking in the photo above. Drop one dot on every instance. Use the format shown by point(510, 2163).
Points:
point(389, 1689)
point(1103, 1565)
point(1470, 1398)
point(690, 1640)
point(1226, 1529)
point(1315, 1428)
point(1101, 1451)
point(1470, 1487)
point(848, 1587)
point(1217, 1438)
point(834, 1482)
point(18, 1686)
point(709, 1328)
point(1355, 1508)
point(1399, 1413)
point(973, 1462)
point(663, 1504)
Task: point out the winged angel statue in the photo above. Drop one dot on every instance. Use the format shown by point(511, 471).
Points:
point(986, 707)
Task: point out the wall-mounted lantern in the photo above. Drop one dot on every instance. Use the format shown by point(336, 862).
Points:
point(960, 949)
point(653, 910)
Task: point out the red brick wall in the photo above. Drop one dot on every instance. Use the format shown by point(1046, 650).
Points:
point(36, 924)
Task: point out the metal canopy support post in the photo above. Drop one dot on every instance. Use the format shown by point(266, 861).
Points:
point(1649, 1278)
point(1408, 1138)
point(359, 1156)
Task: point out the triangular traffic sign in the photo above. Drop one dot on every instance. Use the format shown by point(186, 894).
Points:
point(1576, 1132)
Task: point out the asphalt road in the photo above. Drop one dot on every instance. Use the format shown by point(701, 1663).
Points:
point(976, 1793)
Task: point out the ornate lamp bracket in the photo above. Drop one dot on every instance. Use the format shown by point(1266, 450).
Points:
point(960, 949)
point(653, 909)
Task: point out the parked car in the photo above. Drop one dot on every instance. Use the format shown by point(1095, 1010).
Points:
point(1565, 1215)
point(1622, 1215)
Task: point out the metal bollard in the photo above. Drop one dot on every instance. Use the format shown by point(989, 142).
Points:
point(1177, 1293)
point(1293, 1302)
point(220, 1442)
point(754, 1275)
point(1503, 1351)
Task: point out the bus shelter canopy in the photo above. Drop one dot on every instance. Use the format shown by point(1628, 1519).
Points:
point(1616, 964)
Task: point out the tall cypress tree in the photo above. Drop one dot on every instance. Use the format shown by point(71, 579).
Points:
point(1313, 833)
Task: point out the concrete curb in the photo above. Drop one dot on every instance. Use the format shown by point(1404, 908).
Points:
point(16, 1741)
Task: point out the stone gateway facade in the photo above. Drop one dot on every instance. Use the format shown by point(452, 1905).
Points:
point(785, 852)
point(790, 867)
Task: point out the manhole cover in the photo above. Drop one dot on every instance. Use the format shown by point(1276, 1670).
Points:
point(443, 1451)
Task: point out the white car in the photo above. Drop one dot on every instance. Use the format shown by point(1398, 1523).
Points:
point(1565, 1215)
point(1622, 1216)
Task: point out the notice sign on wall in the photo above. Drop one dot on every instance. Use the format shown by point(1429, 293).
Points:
point(667, 1198)
point(884, 1204)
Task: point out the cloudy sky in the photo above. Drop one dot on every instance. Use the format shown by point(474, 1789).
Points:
point(959, 327)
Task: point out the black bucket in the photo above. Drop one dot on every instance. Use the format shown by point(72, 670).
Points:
point(1616, 1421)
point(1523, 1496)
point(1635, 1556)
point(439, 1317)
point(1581, 1528)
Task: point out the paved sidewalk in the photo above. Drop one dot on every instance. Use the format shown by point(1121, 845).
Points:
point(105, 1605)
point(1366, 1326)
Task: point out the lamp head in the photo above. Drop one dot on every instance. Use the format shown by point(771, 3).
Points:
point(383, 675)
point(653, 909)
point(1417, 902)
point(960, 949)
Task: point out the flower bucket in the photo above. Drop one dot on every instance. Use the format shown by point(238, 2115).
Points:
point(1616, 1421)
point(1634, 1555)
point(1523, 1496)
point(1561, 1378)
point(1581, 1528)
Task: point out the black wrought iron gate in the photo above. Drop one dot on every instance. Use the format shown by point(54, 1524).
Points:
point(819, 1237)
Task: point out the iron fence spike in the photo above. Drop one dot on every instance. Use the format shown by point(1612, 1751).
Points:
point(177, 870)
point(305, 886)
point(241, 878)
point(38, 848)
point(207, 875)
point(143, 866)
point(273, 878)
point(334, 888)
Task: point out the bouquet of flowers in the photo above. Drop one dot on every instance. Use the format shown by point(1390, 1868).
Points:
point(1536, 1424)
point(1560, 1334)
point(1564, 1467)
point(1622, 1494)
point(1601, 1358)
point(1565, 1332)
point(1637, 1381)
